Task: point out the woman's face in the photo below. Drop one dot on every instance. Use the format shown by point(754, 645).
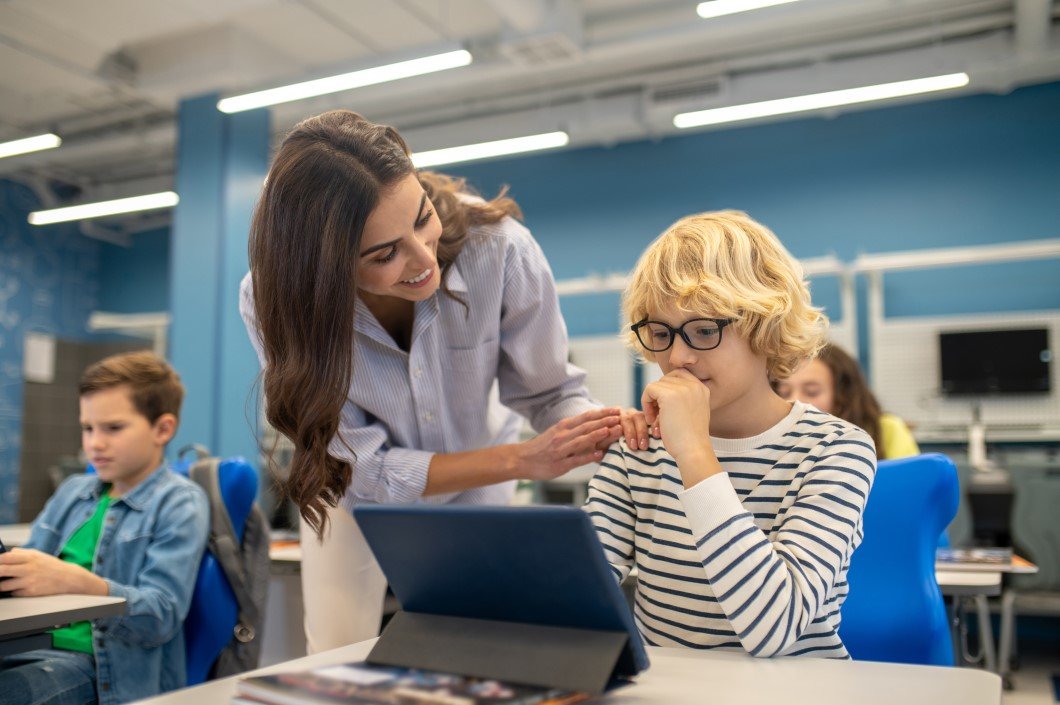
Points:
point(399, 245)
point(812, 383)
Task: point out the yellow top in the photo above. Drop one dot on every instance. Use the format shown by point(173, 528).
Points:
point(896, 438)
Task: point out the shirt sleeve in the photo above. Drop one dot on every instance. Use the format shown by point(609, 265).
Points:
point(896, 438)
point(611, 509)
point(772, 589)
point(535, 377)
point(382, 473)
point(157, 603)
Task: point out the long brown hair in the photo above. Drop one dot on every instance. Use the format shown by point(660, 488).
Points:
point(327, 177)
point(852, 400)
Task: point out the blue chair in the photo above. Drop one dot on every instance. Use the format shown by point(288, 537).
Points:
point(214, 611)
point(894, 611)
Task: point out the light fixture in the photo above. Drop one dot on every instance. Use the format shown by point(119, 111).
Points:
point(717, 8)
point(345, 81)
point(817, 101)
point(485, 150)
point(30, 144)
point(151, 201)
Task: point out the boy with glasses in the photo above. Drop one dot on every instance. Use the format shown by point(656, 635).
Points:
point(743, 512)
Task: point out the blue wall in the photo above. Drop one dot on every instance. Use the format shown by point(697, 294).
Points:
point(135, 279)
point(973, 170)
point(964, 171)
point(945, 173)
point(49, 280)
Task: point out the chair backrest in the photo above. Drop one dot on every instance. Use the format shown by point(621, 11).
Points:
point(214, 611)
point(894, 610)
point(1035, 530)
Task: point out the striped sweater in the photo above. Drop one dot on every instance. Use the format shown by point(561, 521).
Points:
point(755, 557)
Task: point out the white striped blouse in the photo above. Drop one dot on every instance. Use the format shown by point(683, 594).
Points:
point(467, 373)
point(755, 557)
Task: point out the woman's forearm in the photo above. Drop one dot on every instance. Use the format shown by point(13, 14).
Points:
point(572, 442)
point(456, 472)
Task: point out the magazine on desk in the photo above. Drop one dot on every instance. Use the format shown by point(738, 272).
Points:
point(980, 559)
point(357, 683)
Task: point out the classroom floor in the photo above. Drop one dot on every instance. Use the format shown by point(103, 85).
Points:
point(1033, 683)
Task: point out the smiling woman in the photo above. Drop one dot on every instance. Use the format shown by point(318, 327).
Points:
point(403, 325)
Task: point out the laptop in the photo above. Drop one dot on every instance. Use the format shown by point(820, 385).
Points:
point(541, 566)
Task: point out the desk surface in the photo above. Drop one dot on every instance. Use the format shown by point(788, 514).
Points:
point(26, 615)
point(680, 676)
point(14, 534)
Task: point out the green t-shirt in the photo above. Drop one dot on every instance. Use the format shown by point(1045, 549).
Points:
point(81, 550)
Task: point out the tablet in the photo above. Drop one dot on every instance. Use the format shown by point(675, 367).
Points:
point(534, 565)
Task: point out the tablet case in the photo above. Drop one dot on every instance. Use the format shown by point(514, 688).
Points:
point(521, 594)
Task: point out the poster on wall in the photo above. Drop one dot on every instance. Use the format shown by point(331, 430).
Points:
point(38, 358)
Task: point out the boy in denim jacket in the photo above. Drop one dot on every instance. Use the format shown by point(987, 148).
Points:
point(134, 529)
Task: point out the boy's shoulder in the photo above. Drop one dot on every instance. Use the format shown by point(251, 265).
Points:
point(813, 422)
point(827, 429)
point(178, 483)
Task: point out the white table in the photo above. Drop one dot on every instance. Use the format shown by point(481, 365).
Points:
point(980, 581)
point(24, 621)
point(680, 676)
point(284, 639)
point(14, 534)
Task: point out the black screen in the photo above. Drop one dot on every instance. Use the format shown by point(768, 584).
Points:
point(995, 361)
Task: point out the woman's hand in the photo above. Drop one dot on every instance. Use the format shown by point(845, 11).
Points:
point(568, 444)
point(678, 405)
point(634, 429)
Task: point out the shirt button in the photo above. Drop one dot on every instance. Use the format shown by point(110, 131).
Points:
point(417, 373)
point(428, 416)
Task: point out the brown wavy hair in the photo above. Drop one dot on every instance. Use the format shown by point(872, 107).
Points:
point(328, 175)
point(852, 399)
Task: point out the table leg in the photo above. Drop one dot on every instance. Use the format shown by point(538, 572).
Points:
point(986, 634)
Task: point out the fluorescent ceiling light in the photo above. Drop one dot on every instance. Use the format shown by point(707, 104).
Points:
point(484, 150)
point(817, 101)
point(717, 8)
point(30, 144)
point(151, 201)
point(345, 81)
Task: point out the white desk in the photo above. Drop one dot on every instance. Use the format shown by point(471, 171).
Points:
point(285, 640)
point(680, 676)
point(14, 534)
point(24, 620)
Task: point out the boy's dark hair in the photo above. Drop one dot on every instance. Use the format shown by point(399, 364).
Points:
point(154, 386)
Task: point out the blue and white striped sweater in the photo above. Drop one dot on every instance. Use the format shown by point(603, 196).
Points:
point(753, 558)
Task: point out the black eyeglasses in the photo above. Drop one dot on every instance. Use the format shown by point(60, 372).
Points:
point(698, 333)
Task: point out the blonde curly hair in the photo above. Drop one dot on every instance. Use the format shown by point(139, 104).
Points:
point(725, 264)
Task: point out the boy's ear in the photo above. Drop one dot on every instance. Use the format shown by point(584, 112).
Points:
point(165, 427)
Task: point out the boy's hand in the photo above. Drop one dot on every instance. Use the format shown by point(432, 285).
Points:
point(29, 573)
point(678, 405)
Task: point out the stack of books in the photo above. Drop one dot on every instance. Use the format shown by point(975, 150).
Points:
point(357, 683)
point(971, 560)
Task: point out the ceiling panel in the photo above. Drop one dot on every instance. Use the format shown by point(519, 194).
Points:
point(303, 35)
point(459, 18)
point(111, 23)
point(388, 26)
point(35, 90)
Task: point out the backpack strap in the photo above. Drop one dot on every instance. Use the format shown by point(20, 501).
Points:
point(224, 547)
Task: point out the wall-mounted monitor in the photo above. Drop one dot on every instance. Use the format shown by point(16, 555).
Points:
point(988, 362)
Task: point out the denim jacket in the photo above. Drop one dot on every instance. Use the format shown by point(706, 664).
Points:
point(149, 551)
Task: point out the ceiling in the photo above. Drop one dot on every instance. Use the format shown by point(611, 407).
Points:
point(107, 75)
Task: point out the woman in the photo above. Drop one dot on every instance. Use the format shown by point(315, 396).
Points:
point(401, 323)
point(833, 382)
